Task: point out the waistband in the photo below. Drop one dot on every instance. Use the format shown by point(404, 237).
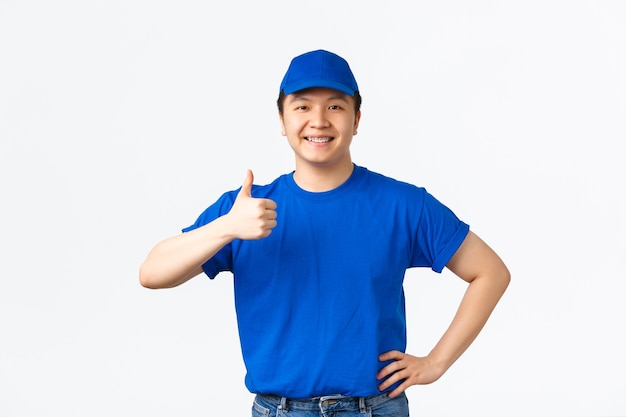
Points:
point(327, 402)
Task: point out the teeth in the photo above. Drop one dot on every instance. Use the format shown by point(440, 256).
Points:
point(318, 140)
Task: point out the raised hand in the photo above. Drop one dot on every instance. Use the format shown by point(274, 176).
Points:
point(252, 218)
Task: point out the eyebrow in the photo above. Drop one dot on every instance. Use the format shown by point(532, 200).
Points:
point(304, 96)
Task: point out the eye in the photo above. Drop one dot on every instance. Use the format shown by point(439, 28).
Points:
point(302, 107)
point(335, 107)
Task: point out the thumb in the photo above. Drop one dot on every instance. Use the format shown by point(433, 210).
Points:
point(246, 188)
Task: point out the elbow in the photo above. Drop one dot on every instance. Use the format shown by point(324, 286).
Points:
point(146, 277)
point(154, 277)
point(505, 277)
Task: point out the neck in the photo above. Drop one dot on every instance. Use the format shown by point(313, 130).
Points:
point(319, 179)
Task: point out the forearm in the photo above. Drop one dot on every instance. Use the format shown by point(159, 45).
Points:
point(179, 258)
point(480, 299)
point(175, 260)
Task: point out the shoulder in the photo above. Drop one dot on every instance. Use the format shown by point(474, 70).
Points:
point(276, 187)
point(227, 198)
point(376, 181)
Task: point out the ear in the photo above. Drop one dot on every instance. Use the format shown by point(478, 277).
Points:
point(283, 131)
point(356, 122)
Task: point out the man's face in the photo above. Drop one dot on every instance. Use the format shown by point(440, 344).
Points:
point(319, 124)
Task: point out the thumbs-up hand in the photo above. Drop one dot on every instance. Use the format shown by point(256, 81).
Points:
point(252, 218)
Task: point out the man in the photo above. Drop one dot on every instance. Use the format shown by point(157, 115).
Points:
point(318, 260)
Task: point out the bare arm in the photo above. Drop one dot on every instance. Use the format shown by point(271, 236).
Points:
point(179, 258)
point(488, 278)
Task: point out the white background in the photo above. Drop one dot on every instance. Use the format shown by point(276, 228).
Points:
point(120, 121)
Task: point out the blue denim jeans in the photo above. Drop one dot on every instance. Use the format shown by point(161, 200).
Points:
point(331, 406)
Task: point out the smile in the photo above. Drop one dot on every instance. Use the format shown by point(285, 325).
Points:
point(319, 140)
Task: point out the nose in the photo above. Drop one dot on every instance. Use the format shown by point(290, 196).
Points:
point(318, 118)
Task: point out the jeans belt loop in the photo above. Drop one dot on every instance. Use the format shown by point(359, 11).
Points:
point(283, 404)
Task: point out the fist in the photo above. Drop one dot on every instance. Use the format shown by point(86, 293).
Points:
point(252, 218)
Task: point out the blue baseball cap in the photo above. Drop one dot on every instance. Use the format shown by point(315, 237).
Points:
point(319, 69)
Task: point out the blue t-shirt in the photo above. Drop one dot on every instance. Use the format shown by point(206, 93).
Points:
point(321, 297)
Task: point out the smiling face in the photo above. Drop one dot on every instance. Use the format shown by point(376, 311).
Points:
point(319, 124)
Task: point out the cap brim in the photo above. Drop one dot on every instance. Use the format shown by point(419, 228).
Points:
point(319, 83)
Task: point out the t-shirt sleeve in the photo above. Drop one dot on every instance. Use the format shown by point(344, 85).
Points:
point(440, 233)
point(222, 260)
